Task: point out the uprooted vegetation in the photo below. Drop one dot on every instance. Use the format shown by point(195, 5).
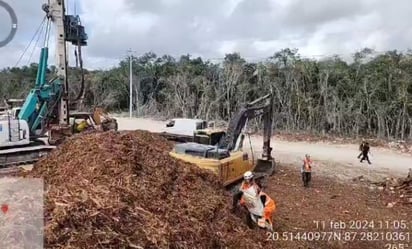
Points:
point(396, 191)
point(123, 190)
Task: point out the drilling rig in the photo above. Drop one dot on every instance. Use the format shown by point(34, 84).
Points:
point(45, 112)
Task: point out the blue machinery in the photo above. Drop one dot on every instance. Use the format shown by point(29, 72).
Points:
point(46, 108)
point(43, 107)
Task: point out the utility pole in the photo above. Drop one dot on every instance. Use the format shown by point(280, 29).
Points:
point(131, 84)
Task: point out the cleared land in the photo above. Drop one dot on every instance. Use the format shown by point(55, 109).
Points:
point(338, 160)
point(333, 197)
point(335, 212)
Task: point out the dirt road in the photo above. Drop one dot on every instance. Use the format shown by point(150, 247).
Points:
point(331, 159)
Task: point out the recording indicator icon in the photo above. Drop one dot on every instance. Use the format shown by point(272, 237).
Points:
point(13, 28)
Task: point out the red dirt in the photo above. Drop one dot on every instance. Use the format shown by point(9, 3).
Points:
point(299, 208)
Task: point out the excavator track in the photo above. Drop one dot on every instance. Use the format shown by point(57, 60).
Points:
point(23, 155)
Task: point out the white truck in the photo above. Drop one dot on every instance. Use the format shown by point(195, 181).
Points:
point(183, 129)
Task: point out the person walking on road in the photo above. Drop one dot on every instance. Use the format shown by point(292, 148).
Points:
point(306, 170)
point(361, 149)
point(365, 153)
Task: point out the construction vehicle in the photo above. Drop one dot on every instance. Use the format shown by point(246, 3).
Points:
point(45, 112)
point(96, 120)
point(227, 159)
point(183, 129)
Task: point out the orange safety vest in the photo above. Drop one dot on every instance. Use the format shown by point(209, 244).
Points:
point(307, 164)
point(270, 207)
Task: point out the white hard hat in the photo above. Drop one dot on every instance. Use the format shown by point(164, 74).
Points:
point(248, 175)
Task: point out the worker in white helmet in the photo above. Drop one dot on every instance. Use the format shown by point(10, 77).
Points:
point(258, 203)
point(249, 182)
point(248, 185)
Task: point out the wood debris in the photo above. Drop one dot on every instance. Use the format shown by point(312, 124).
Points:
point(123, 190)
point(402, 187)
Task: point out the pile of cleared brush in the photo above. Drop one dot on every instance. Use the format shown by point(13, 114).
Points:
point(123, 190)
point(401, 188)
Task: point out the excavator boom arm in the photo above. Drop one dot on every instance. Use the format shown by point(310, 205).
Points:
point(267, 130)
point(250, 111)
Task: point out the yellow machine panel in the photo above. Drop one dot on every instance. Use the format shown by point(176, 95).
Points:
point(228, 169)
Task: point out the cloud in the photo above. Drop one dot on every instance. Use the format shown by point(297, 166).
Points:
point(29, 15)
point(255, 28)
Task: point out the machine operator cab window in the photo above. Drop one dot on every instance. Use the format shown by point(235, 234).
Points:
point(201, 150)
point(201, 125)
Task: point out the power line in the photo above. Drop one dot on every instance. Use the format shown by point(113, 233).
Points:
point(25, 50)
point(35, 45)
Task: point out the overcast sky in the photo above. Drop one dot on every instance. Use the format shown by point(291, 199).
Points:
point(211, 28)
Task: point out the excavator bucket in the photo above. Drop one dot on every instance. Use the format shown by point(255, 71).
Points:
point(110, 124)
point(264, 168)
point(101, 117)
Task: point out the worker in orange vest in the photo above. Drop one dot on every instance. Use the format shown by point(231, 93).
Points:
point(260, 211)
point(306, 170)
point(260, 206)
point(248, 185)
point(269, 210)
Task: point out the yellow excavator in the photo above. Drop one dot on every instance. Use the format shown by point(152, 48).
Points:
point(96, 120)
point(221, 151)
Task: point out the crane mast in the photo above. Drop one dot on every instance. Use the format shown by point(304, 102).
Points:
point(68, 29)
point(57, 15)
